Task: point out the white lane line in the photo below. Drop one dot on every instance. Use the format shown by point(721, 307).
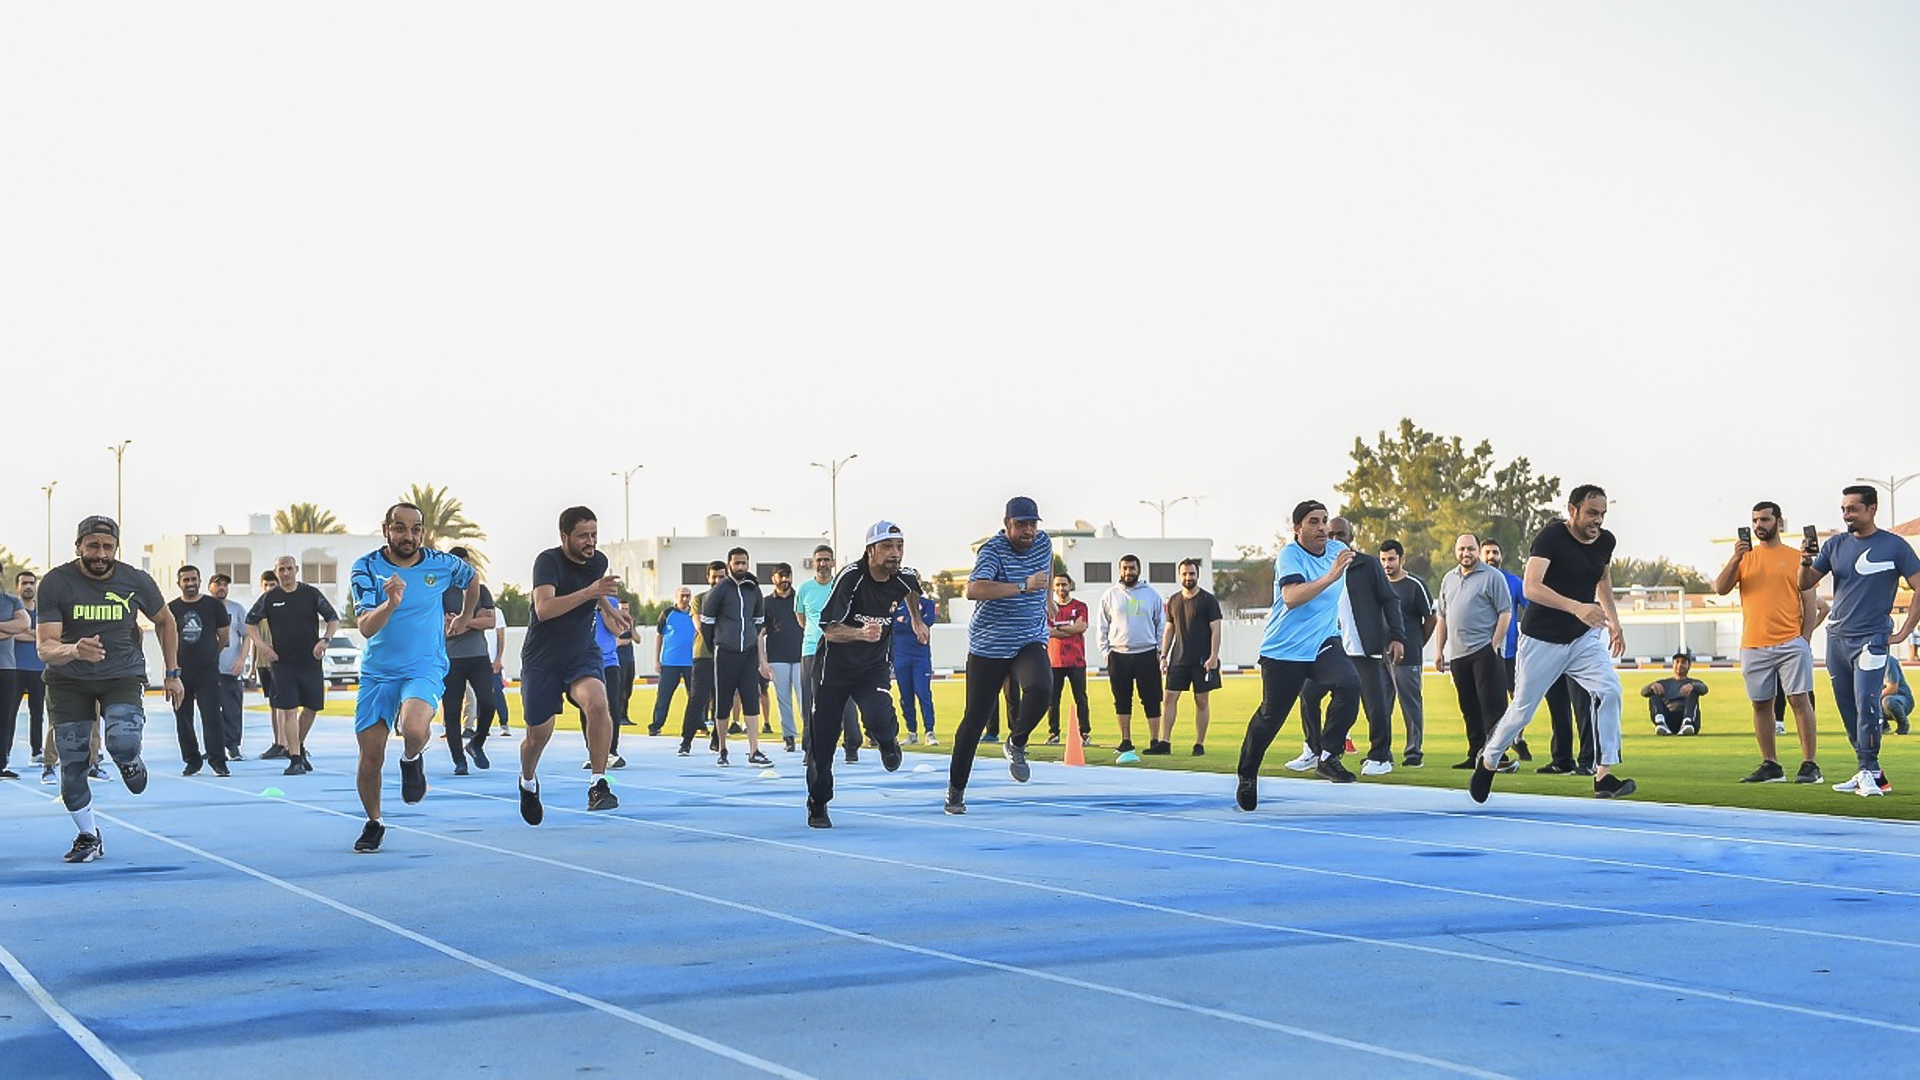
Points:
point(902, 946)
point(109, 1062)
point(701, 1042)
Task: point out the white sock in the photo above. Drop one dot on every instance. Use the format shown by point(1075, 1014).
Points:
point(83, 817)
point(532, 785)
point(409, 760)
point(597, 778)
point(379, 821)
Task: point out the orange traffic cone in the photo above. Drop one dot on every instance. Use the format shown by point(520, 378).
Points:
point(1076, 754)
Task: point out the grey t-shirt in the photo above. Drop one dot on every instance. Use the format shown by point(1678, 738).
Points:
point(1472, 605)
point(472, 642)
point(85, 607)
point(9, 607)
point(236, 636)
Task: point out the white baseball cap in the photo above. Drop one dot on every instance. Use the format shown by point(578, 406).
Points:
point(883, 530)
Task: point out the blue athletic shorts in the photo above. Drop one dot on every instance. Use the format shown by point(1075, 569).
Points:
point(543, 690)
point(379, 700)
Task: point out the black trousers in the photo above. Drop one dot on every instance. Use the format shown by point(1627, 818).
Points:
point(201, 692)
point(1670, 719)
point(830, 700)
point(1076, 678)
point(10, 696)
point(1480, 682)
point(616, 708)
point(233, 713)
point(1281, 682)
point(699, 700)
point(1569, 704)
point(1376, 697)
point(27, 687)
point(1126, 671)
point(464, 672)
point(986, 676)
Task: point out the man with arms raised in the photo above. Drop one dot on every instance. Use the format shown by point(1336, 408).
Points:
point(559, 658)
point(399, 592)
point(1570, 628)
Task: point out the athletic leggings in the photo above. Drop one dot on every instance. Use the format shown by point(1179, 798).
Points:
point(830, 700)
point(986, 676)
point(1076, 678)
point(1280, 685)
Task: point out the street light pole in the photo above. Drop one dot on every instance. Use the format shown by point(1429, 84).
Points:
point(1893, 485)
point(119, 484)
point(833, 494)
point(48, 489)
point(1163, 506)
point(626, 481)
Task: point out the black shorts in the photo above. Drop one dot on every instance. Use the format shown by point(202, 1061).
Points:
point(83, 701)
point(298, 687)
point(1190, 677)
point(543, 690)
point(737, 673)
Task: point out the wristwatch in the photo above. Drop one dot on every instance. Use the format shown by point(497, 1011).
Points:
point(1023, 585)
point(174, 674)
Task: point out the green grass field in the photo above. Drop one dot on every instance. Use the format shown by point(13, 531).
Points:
point(1703, 770)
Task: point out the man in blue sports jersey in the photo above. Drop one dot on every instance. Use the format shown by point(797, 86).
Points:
point(1302, 642)
point(398, 591)
point(1007, 636)
point(1867, 564)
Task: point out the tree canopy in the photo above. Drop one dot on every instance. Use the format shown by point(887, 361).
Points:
point(306, 517)
point(446, 519)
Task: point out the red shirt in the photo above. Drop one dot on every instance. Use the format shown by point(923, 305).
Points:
point(1069, 651)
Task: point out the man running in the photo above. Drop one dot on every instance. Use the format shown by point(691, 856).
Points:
point(293, 610)
point(1867, 564)
point(854, 660)
point(403, 673)
point(95, 669)
point(559, 659)
point(1570, 627)
point(1006, 639)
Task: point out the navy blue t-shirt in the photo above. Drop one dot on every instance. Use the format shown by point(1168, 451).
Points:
point(567, 640)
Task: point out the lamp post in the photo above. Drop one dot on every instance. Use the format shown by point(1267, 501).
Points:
point(119, 484)
point(1163, 506)
point(48, 490)
point(1893, 485)
point(833, 495)
point(626, 482)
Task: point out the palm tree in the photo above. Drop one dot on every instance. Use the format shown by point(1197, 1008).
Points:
point(446, 519)
point(306, 518)
point(10, 564)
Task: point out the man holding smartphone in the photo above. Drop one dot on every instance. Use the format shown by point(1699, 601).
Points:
point(1777, 626)
point(1867, 565)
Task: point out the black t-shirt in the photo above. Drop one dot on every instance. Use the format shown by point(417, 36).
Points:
point(857, 599)
point(85, 607)
point(561, 642)
point(1574, 571)
point(1191, 624)
point(296, 619)
point(1415, 606)
point(783, 629)
point(200, 623)
point(469, 642)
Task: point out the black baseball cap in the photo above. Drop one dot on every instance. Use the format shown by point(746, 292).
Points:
point(1021, 508)
point(97, 523)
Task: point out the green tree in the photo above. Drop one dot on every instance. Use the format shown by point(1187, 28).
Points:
point(1425, 489)
point(1246, 581)
point(306, 518)
point(446, 520)
point(10, 564)
point(513, 604)
point(1659, 571)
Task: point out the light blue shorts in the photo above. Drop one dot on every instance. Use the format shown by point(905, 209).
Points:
point(379, 700)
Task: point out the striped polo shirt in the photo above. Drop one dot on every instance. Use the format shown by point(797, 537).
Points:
point(1001, 628)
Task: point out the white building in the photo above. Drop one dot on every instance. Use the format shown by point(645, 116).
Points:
point(655, 567)
point(325, 558)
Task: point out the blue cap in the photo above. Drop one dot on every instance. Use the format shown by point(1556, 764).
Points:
point(1021, 508)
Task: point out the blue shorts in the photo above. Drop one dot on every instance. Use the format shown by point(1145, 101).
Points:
point(379, 700)
point(543, 690)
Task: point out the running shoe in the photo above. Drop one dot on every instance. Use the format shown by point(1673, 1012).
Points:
point(479, 756)
point(723, 762)
point(8, 774)
point(913, 738)
point(989, 737)
point(86, 847)
point(956, 803)
point(1017, 765)
point(99, 772)
point(1199, 749)
point(1507, 764)
point(530, 809)
point(931, 741)
point(600, 796)
point(684, 751)
point(758, 758)
point(235, 755)
point(766, 727)
point(1809, 774)
point(1866, 785)
point(413, 780)
point(1687, 728)
point(370, 838)
point(1155, 746)
point(1125, 747)
point(460, 768)
point(220, 769)
point(1779, 727)
point(1306, 762)
point(615, 761)
point(1769, 772)
point(47, 776)
point(1053, 740)
point(1612, 787)
point(293, 767)
point(1247, 794)
point(1348, 748)
point(1554, 768)
point(1376, 768)
point(135, 774)
point(853, 757)
point(1413, 761)
point(789, 743)
point(890, 755)
point(1480, 785)
point(817, 816)
point(274, 752)
point(1331, 769)
point(1520, 750)
point(1583, 770)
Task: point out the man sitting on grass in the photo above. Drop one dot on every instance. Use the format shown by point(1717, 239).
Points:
point(1674, 703)
point(1896, 699)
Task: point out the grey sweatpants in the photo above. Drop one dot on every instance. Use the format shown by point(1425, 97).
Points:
point(1585, 661)
point(1409, 693)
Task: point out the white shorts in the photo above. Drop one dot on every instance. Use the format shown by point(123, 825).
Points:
point(1773, 668)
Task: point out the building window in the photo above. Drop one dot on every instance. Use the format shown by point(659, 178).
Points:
point(236, 563)
point(764, 571)
point(693, 573)
point(319, 568)
point(1098, 573)
point(1161, 572)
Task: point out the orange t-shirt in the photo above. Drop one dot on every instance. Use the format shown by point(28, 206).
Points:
point(1770, 596)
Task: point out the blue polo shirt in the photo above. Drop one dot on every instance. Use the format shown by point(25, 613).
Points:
point(1297, 633)
point(413, 641)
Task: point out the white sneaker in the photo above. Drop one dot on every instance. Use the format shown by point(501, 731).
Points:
point(1686, 728)
point(1866, 785)
point(913, 738)
point(931, 741)
point(1779, 727)
point(1306, 762)
point(1376, 768)
point(1851, 783)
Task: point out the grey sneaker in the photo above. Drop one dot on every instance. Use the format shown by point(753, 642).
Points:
point(1769, 772)
point(135, 774)
point(1809, 774)
point(956, 800)
point(86, 848)
point(1017, 762)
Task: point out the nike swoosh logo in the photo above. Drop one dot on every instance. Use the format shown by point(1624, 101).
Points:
point(1864, 565)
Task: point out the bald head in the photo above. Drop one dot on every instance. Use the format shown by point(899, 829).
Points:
point(1341, 529)
point(1466, 550)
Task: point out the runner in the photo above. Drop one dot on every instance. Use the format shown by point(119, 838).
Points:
point(403, 672)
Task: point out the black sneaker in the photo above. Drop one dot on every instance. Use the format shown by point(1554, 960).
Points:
point(86, 847)
point(652, 731)
point(235, 755)
point(1555, 768)
point(370, 838)
point(1199, 749)
point(600, 796)
point(956, 800)
point(615, 761)
point(1507, 764)
point(1612, 787)
point(734, 728)
point(1331, 769)
point(1155, 746)
point(890, 755)
point(817, 816)
point(1809, 774)
point(723, 762)
point(853, 757)
point(1480, 785)
point(191, 770)
point(413, 780)
point(135, 774)
point(1413, 761)
point(530, 809)
point(1769, 772)
point(306, 762)
point(1125, 747)
point(293, 767)
point(221, 769)
point(459, 768)
point(1583, 770)
point(274, 752)
point(789, 742)
point(479, 756)
point(1247, 795)
point(1470, 763)
point(1520, 749)
point(766, 727)
point(758, 758)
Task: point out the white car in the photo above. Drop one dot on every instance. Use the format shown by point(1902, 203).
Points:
point(342, 663)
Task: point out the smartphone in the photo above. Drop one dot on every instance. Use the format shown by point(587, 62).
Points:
point(1746, 535)
point(1812, 534)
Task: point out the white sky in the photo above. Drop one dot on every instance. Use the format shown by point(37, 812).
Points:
point(1095, 253)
